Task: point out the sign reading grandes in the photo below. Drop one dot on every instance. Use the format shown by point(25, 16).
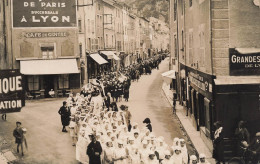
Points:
point(44, 13)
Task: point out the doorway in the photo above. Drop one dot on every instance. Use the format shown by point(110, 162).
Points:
point(48, 84)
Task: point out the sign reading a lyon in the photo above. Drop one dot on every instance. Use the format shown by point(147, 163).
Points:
point(12, 96)
point(44, 13)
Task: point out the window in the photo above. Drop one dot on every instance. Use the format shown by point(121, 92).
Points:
point(47, 51)
point(63, 81)
point(89, 44)
point(175, 10)
point(106, 40)
point(202, 45)
point(175, 47)
point(182, 7)
point(190, 3)
point(191, 47)
point(79, 24)
point(112, 41)
point(89, 25)
point(93, 26)
point(80, 50)
point(98, 6)
point(33, 83)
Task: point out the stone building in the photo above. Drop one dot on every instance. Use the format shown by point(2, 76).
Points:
point(215, 44)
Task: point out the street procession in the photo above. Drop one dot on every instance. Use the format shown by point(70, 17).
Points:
point(103, 133)
point(129, 82)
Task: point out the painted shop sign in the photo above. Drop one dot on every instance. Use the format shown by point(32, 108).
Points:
point(44, 13)
point(12, 95)
point(244, 64)
point(45, 34)
point(201, 81)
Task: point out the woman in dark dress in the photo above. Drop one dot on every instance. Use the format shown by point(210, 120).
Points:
point(147, 121)
point(65, 116)
point(218, 143)
point(126, 91)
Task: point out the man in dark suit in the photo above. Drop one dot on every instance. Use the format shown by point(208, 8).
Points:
point(94, 151)
point(65, 116)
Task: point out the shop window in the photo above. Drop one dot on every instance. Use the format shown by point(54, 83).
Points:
point(63, 81)
point(33, 83)
point(190, 3)
point(79, 25)
point(47, 51)
point(80, 50)
point(175, 47)
point(191, 48)
point(74, 81)
point(175, 10)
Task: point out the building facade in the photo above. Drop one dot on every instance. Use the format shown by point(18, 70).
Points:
point(216, 50)
point(45, 48)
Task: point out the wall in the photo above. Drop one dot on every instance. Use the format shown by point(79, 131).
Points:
point(29, 47)
point(220, 36)
point(197, 35)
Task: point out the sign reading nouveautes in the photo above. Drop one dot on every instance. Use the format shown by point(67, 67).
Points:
point(44, 13)
point(12, 97)
point(244, 64)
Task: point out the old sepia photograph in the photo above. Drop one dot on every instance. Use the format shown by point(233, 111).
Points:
point(129, 81)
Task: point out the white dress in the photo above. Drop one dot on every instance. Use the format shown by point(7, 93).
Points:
point(135, 158)
point(120, 152)
point(81, 148)
point(177, 159)
point(109, 153)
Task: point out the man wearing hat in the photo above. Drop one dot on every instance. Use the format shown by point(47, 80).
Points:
point(94, 150)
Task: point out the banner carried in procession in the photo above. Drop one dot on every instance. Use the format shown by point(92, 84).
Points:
point(12, 95)
point(44, 13)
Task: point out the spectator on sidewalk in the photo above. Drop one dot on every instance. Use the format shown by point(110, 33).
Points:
point(18, 133)
point(243, 137)
point(218, 142)
point(4, 116)
point(65, 116)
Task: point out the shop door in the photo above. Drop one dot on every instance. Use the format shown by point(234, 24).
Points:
point(207, 109)
point(201, 110)
point(197, 112)
point(48, 83)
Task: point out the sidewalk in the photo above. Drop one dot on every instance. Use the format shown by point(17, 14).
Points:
point(193, 134)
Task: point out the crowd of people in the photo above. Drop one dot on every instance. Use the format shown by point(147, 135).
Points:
point(104, 133)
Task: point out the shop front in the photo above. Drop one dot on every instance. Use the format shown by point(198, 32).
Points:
point(238, 96)
point(199, 95)
point(43, 76)
point(96, 65)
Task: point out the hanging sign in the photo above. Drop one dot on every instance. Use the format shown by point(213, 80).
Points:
point(12, 95)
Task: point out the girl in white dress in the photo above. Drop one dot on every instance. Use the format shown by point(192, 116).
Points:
point(120, 154)
point(109, 153)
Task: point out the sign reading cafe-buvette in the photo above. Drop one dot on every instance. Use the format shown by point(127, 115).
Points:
point(44, 13)
point(12, 97)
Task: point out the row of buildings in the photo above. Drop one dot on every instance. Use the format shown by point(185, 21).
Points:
point(215, 51)
point(60, 45)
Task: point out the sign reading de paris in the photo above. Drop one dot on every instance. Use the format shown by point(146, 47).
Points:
point(44, 13)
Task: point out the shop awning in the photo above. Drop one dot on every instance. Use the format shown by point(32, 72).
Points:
point(98, 58)
point(110, 55)
point(49, 67)
point(237, 80)
point(168, 76)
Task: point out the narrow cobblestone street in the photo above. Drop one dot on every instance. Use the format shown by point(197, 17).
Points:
point(46, 142)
